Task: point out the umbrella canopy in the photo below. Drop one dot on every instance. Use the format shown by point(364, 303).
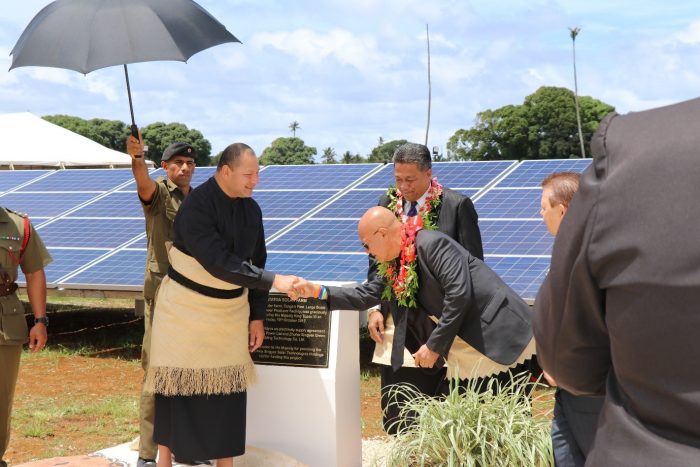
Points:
point(85, 35)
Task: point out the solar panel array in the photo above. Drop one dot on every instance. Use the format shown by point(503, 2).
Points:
point(92, 222)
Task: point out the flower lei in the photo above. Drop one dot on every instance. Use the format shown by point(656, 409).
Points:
point(404, 281)
point(403, 284)
point(428, 211)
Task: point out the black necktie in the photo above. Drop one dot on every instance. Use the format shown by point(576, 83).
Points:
point(413, 211)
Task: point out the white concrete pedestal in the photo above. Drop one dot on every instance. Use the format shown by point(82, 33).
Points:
point(312, 414)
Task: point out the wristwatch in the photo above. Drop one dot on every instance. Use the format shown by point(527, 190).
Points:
point(43, 320)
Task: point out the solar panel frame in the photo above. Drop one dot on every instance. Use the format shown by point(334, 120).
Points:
point(498, 203)
point(38, 204)
point(65, 261)
point(319, 176)
point(454, 175)
point(118, 204)
point(523, 274)
point(515, 237)
point(290, 203)
point(90, 233)
point(350, 205)
point(122, 270)
point(320, 267)
point(13, 179)
point(332, 235)
point(530, 173)
point(98, 180)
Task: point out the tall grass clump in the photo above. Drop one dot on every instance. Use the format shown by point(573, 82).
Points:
point(468, 428)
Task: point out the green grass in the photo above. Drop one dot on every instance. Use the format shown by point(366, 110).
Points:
point(111, 416)
point(473, 429)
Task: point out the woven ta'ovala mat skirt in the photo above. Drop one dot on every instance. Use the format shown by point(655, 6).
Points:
point(200, 366)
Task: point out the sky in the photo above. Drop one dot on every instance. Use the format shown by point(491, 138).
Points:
point(352, 71)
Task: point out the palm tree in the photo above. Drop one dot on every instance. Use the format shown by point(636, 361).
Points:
point(328, 156)
point(574, 32)
point(293, 127)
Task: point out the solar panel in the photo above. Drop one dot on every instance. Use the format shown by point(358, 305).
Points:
point(321, 247)
point(530, 173)
point(352, 204)
point(43, 205)
point(524, 275)
point(332, 176)
point(515, 237)
point(90, 233)
point(319, 267)
point(10, 179)
point(320, 235)
point(64, 262)
point(140, 243)
point(499, 203)
point(272, 226)
point(468, 174)
point(124, 269)
point(201, 175)
point(115, 204)
point(98, 180)
point(450, 174)
point(290, 203)
point(468, 193)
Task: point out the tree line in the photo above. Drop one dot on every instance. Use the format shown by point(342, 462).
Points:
point(544, 126)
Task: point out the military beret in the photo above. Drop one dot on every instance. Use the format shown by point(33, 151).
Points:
point(178, 149)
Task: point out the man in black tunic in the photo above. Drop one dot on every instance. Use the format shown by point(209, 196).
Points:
point(210, 312)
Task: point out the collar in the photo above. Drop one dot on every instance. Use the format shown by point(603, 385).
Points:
point(421, 201)
point(4, 216)
point(169, 184)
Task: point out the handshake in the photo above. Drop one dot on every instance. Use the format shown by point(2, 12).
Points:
point(296, 287)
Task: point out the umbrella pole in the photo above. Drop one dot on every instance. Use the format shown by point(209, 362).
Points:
point(134, 128)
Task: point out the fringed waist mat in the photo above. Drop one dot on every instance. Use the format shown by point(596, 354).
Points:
point(463, 360)
point(199, 342)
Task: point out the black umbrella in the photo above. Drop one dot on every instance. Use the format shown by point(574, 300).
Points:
point(85, 35)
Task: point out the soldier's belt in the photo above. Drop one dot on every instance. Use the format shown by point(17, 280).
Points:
point(203, 289)
point(7, 288)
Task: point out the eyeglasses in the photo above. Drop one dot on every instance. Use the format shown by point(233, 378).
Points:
point(365, 245)
point(180, 163)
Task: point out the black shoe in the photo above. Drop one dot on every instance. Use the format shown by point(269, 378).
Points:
point(178, 461)
point(144, 462)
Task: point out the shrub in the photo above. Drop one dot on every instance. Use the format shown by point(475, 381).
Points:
point(471, 428)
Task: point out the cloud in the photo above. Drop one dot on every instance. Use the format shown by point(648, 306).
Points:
point(691, 35)
point(313, 48)
point(94, 84)
point(545, 75)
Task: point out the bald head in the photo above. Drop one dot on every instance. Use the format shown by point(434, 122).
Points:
point(380, 232)
point(375, 218)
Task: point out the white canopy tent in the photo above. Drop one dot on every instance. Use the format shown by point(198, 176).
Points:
point(32, 142)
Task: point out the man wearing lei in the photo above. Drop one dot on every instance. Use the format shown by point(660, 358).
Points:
point(417, 194)
point(482, 327)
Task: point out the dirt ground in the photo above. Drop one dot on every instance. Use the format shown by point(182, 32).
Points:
point(82, 395)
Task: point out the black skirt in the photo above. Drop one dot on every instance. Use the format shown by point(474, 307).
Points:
point(201, 427)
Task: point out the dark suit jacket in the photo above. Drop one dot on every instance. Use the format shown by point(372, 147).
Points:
point(618, 312)
point(457, 219)
point(468, 298)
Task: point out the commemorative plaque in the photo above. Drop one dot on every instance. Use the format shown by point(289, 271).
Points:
point(297, 333)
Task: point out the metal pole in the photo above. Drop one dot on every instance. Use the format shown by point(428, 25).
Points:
point(134, 128)
point(427, 127)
